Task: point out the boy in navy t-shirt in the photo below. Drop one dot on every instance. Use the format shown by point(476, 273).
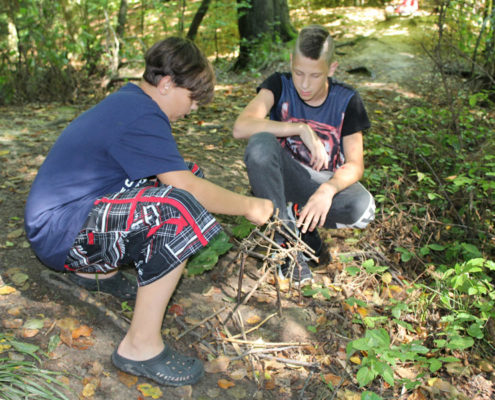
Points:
point(310, 150)
point(114, 189)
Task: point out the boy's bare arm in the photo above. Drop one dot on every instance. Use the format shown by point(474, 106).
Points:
point(253, 120)
point(217, 199)
point(318, 205)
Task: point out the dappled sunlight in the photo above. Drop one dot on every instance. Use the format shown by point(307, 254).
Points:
point(391, 87)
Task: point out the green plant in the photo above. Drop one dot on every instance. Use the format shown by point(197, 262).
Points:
point(207, 258)
point(25, 379)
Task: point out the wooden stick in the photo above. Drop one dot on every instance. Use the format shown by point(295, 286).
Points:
point(256, 351)
point(301, 394)
point(241, 275)
point(288, 361)
point(250, 357)
point(266, 344)
point(201, 322)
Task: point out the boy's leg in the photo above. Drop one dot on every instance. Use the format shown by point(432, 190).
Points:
point(353, 207)
point(151, 303)
point(274, 175)
point(158, 228)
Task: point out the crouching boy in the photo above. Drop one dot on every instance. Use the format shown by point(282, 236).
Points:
point(114, 189)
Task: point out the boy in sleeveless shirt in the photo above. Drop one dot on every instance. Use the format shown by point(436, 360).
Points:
point(307, 157)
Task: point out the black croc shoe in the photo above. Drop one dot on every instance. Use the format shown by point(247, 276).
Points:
point(118, 285)
point(167, 368)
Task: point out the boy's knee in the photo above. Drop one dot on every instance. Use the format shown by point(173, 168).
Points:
point(362, 210)
point(261, 148)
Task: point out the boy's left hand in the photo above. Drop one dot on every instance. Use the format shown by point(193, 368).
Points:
point(260, 210)
point(316, 209)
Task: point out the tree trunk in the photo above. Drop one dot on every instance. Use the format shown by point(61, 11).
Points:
point(196, 22)
point(258, 19)
point(13, 42)
point(121, 20)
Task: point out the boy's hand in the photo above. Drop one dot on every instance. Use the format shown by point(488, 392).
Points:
point(259, 210)
point(316, 209)
point(319, 156)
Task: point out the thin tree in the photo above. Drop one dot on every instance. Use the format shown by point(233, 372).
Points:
point(198, 18)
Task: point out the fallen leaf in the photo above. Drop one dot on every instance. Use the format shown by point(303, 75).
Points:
point(348, 395)
point(387, 277)
point(127, 379)
point(96, 368)
point(4, 290)
point(82, 343)
point(485, 366)
point(29, 333)
point(89, 390)
point(254, 319)
point(64, 380)
point(15, 311)
point(270, 385)
point(192, 320)
point(34, 323)
point(363, 312)
point(67, 323)
point(355, 360)
point(263, 298)
point(19, 278)
point(66, 337)
point(150, 391)
point(456, 368)
point(417, 395)
point(238, 374)
point(176, 310)
point(12, 323)
point(15, 234)
point(225, 384)
point(219, 364)
point(83, 330)
point(333, 379)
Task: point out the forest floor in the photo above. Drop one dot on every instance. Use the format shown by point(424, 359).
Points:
point(384, 60)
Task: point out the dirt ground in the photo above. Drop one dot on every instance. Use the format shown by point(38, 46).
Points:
point(382, 61)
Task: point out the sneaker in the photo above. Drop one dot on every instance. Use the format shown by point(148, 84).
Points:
point(290, 270)
point(313, 240)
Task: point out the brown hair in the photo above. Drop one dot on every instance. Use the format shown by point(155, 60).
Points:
point(314, 41)
point(182, 60)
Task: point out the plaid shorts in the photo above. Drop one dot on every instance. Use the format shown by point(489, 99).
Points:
point(157, 227)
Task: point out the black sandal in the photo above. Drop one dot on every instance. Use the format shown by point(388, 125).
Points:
point(167, 368)
point(118, 285)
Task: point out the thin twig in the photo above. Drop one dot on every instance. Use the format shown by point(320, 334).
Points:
point(265, 344)
point(257, 326)
point(257, 351)
point(288, 361)
point(301, 394)
point(241, 324)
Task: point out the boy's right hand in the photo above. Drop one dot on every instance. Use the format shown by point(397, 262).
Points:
point(319, 156)
point(259, 210)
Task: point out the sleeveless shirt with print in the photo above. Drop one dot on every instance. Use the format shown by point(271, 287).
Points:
point(326, 120)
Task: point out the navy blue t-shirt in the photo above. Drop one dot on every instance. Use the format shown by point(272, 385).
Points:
point(124, 138)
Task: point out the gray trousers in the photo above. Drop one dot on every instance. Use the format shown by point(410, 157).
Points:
point(275, 175)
